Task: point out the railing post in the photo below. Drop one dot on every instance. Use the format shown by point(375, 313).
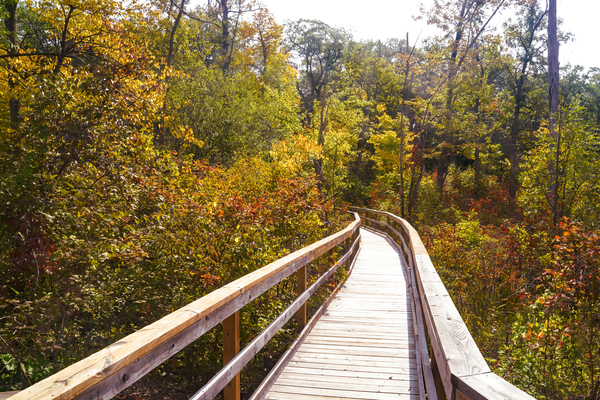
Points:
point(348, 246)
point(331, 262)
point(439, 386)
point(300, 288)
point(231, 346)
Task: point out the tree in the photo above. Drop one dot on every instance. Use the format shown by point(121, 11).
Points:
point(553, 82)
point(463, 22)
point(10, 24)
point(319, 49)
point(524, 37)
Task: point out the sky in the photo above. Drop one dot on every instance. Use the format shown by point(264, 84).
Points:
point(383, 19)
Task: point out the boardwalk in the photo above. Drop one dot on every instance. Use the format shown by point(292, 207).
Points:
point(363, 346)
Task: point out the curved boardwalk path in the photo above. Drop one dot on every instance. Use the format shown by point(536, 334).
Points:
point(363, 346)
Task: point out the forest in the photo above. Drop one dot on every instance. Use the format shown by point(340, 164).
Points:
point(155, 150)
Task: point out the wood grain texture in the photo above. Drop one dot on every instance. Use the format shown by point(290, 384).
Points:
point(231, 348)
point(285, 359)
point(233, 368)
point(87, 376)
point(460, 365)
point(363, 345)
point(488, 386)
point(301, 287)
point(6, 395)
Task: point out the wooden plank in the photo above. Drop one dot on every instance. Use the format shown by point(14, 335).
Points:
point(406, 371)
point(385, 301)
point(346, 312)
point(86, 374)
point(337, 393)
point(221, 379)
point(385, 341)
point(399, 323)
point(340, 382)
point(488, 386)
point(361, 339)
point(360, 385)
point(302, 369)
point(288, 396)
point(357, 351)
point(300, 288)
point(6, 395)
point(323, 331)
point(231, 347)
point(421, 339)
point(365, 361)
point(363, 328)
point(459, 358)
point(272, 376)
point(365, 316)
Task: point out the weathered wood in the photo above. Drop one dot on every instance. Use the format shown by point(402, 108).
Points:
point(342, 371)
point(333, 341)
point(460, 366)
point(360, 351)
point(381, 342)
point(89, 376)
point(300, 288)
point(366, 335)
point(323, 376)
point(231, 347)
point(220, 380)
point(426, 379)
point(361, 385)
point(6, 395)
point(407, 372)
point(296, 396)
point(339, 393)
point(488, 386)
point(350, 339)
point(283, 362)
point(460, 395)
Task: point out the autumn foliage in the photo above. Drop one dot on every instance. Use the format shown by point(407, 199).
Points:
point(153, 151)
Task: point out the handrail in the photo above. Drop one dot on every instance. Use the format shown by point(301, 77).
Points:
point(458, 366)
point(114, 368)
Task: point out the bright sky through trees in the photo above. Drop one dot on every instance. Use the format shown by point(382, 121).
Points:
point(382, 19)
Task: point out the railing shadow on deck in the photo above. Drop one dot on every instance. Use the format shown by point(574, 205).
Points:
point(110, 371)
point(456, 369)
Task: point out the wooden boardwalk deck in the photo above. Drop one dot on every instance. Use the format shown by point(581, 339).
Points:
point(363, 346)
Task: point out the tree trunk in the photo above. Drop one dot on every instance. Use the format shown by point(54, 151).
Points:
point(447, 145)
point(10, 22)
point(162, 132)
point(321, 141)
point(514, 136)
point(64, 42)
point(405, 95)
point(534, 22)
point(173, 32)
point(225, 37)
point(553, 80)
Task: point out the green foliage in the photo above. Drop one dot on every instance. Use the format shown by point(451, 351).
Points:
point(149, 156)
point(577, 164)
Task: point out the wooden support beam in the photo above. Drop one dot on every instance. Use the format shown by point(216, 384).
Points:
point(300, 288)
point(346, 250)
point(330, 262)
point(231, 347)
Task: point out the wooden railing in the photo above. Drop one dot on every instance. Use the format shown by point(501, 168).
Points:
point(111, 370)
point(456, 368)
